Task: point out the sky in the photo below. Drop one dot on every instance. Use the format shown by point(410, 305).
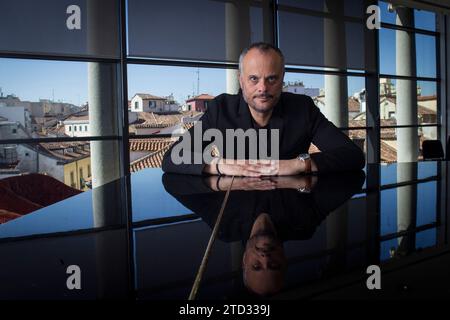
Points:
point(32, 80)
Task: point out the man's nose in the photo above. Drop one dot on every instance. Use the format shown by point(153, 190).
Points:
point(262, 86)
point(264, 253)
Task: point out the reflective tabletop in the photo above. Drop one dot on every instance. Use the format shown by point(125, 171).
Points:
point(165, 236)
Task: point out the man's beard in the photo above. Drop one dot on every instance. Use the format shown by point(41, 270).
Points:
point(264, 109)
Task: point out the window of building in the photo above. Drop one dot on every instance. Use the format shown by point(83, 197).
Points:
point(72, 179)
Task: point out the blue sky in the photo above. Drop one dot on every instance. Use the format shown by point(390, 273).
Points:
point(67, 81)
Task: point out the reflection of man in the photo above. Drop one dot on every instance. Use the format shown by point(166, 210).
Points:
point(264, 263)
point(264, 212)
point(260, 106)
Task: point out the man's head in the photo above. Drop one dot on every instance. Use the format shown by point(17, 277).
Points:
point(264, 263)
point(261, 73)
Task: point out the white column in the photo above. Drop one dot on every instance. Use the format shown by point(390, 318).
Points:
point(237, 37)
point(103, 104)
point(336, 96)
point(406, 206)
point(406, 104)
point(103, 99)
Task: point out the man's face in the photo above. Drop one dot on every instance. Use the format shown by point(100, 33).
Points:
point(261, 79)
point(264, 264)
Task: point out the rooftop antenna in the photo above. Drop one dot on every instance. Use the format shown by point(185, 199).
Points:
point(198, 81)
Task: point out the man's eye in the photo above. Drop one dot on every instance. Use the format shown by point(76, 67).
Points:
point(256, 267)
point(272, 79)
point(253, 79)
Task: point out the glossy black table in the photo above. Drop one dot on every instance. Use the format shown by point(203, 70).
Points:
point(323, 234)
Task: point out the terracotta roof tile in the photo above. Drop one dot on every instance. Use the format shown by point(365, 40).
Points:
point(353, 105)
point(150, 144)
point(153, 160)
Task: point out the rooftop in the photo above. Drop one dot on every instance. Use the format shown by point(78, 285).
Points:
point(147, 96)
point(203, 96)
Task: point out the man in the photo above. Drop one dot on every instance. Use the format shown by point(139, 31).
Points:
point(261, 105)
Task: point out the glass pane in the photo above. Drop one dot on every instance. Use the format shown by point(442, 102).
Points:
point(46, 187)
point(410, 149)
point(426, 103)
point(314, 85)
point(353, 8)
point(41, 99)
point(214, 30)
point(425, 20)
point(424, 169)
point(66, 27)
point(425, 54)
point(399, 214)
point(319, 41)
point(157, 106)
point(387, 15)
point(402, 246)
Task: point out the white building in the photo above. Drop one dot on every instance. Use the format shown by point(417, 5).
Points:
point(297, 87)
point(77, 126)
point(143, 102)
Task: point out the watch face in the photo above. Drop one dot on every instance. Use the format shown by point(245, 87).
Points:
point(304, 156)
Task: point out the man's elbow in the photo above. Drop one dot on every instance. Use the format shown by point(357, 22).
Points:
point(166, 164)
point(360, 159)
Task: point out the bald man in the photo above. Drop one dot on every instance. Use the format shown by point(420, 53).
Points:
point(261, 106)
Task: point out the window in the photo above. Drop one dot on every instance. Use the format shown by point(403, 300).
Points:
point(72, 179)
point(409, 100)
point(179, 66)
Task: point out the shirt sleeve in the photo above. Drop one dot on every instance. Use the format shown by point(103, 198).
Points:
point(338, 151)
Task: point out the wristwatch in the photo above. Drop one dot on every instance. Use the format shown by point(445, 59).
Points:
point(307, 160)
